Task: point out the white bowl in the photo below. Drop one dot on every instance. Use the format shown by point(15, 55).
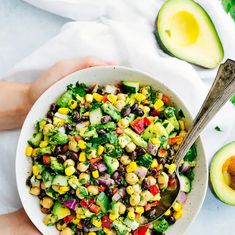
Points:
point(104, 75)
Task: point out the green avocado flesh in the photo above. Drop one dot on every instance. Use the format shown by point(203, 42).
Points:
point(185, 30)
point(222, 174)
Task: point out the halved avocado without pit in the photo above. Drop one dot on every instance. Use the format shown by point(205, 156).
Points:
point(222, 174)
point(185, 30)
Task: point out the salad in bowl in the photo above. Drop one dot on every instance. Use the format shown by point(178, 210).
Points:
point(102, 157)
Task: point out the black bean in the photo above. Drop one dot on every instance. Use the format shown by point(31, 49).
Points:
point(96, 182)
point(171, 151)
point(93, 167)
point(58, 150)
point(134, 107)
point(68, 127)
point(72, 155)
point(42, 194)
point(126, 111)
point(168, 161)
point(50, 114)
point(76, 116)
point(139, 112)
point(61, 199)
point(79, 232)
point(115, 176)
point(153, 172)
point(158, 233)
point(72, 192)
point(133, 155)
point(106, 119)
point(101, 131)
point(121, 169)
point(161, 160)
point(109, 192)
point(61, 158)
point(145, 184)
point(151, 214)
point(171, 220)
point(28, 181)
point(161, 115)
point(53, 107)
point(84, 118)
point(86, 224)
point(140, 151)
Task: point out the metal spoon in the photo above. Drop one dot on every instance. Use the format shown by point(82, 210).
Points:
point(221, 90)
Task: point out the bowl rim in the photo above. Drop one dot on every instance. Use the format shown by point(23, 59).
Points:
point(123, 68)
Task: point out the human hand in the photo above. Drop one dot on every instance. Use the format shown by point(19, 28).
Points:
point(17, 223)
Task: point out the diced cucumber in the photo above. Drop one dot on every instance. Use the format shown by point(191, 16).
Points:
point(34, 182)
point(64, 99)
point(135, 138)
point(95, 116)
point(170, 114)
point(43, 151)
point(35, 140)
point(130, 117)
point(131, 223)
point(60, 180)
point(47, 178)
point(88, 132)
point(123, 140)
point(168, 126)
point(185, 183)
point(111, 110)
point(130, 87)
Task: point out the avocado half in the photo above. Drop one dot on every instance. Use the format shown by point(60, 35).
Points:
point(222, 174)
point(185, 30)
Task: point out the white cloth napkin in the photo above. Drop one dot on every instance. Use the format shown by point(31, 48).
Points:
point(120, 31)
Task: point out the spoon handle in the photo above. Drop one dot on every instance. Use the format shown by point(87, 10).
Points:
point(221, 90)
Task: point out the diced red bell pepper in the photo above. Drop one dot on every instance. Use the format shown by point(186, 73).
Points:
point(77, 138)
point(65, 148)
point(119, 130)
point(102, 188)
point(162, 153)
point(69, 218)
point(94, 160)
point(70, 137)
point(156, 203)
point(138, 125)
point(166, 100)
point(175, 140)
point(155, 113)
point(46, 159)
point(141, 230)
point(154, 189)
point(94, 208)
point(171, 182)
point(147, 122)
point(105, 99)
point(115, 190)
point(106, 222)
point(147, 207)
point(86, 202)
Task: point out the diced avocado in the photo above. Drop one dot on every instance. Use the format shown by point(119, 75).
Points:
point(73, 181)
point(59, 138)
point(185, 30)
point(170, 115)
point(43, 151)
point(132, 224)
point(136, 138)
point(95, 116)
point(35, 140)
point(123, 140)
point(60, 180)
point(47, 178)
point(51, 193)
point(88, 132)
point(222, 174)
point(130, 87)
point(168, 126)
point(147, 134)
point(107, 126)
point(112, 111)
point(144, 160)
point(161, 225)
point(59, 211)
point(130, 118)
point(115, 208)
point(154, 130)
point(64, 99)
point(87, 213)
point(121, 228)
point(103, 201)
point(55, 165)
point(112, 164)
point(58, 122)
point(185, 184)
point(166, 180)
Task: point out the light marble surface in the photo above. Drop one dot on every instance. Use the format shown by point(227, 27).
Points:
point(23, 29)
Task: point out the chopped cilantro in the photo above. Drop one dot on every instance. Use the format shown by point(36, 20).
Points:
point(217, 128)
point(181, 114)
point(233, 99)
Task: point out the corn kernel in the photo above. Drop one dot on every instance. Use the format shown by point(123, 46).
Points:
point(86, 114)
point(95, 174)
point(82, 144)
point(182, 126)
point(35, 152)
point(96, 222)
point(29, 151)
point(43, 144)
point(178, 214)
point(63, 189)
point(139, 209)
point(140, 97)
point(167, 213)
point(130, 190)
point(89, 98)
point(131, 215)
point(156, 141)
point(97, 97)
point(76, 220)
point(100, 150)
point(92, 233)
point(72, 104)
point(112, 98)
point(113, 216)
point(146, 109)
point(63, 111)
point(35, 170)
point(154, 163)
point(172, 168)
point(106, 230)
point(70, 170)
point(177, 206)
point(182, 133)
point(82, 157)
point(158, 104)
point(131, 167)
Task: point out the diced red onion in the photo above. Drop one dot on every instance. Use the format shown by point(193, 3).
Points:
point(71, 204)
point(152, 148)
point(106, 181)
point(185, 167)
point(141, 172)
point(182, 197)
point(116, 197)
point(101, 167)
point(122, 192)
